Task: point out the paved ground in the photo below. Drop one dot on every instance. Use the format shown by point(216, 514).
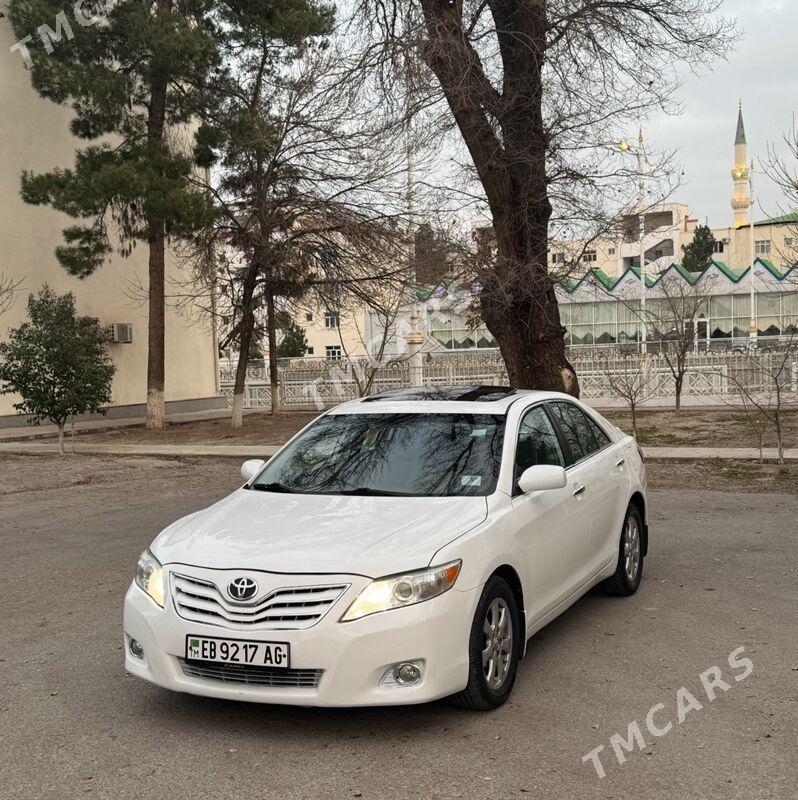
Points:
point(722, 573)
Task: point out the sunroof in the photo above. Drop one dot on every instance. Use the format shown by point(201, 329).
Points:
point(461, 393)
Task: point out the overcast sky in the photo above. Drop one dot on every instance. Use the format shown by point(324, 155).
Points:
point(762, 71)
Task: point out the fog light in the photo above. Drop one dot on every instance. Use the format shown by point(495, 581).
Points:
point(402, 674)
point(407, 673)
point(136, 649)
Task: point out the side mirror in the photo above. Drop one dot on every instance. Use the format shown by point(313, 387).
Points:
point(542, 476)
point(249, 469)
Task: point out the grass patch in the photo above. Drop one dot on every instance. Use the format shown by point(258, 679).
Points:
point(737, 474)
point(652, 436)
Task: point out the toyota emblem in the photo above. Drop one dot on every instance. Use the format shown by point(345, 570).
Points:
point(242, 589)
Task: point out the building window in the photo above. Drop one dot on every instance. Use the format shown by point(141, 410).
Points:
point(610, 251)
point(789, 241)
point(330, 320)
point(333, 352)
point(309, 316)
point(762, 247)
point(658, 254)
point(309, 351)
point(558, 258)
point(453, 331)
point(589, 256)
point(718, 247)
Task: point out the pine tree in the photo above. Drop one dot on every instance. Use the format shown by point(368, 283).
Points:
point(136, 75)
point(697, 254)
point(294, 343)
point(57, 362)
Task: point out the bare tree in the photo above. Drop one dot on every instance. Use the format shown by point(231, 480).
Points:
point(373, 308)
point(757, 423)
point(670, 319)
point(783, 171)
point(308, 186)
point(767, 387)
point(8, 291)
point(540, 92)
point(630, 379)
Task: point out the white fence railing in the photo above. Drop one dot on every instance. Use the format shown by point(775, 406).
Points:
point(320, 383)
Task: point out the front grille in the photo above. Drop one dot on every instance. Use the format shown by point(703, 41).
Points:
point(287, 608)
point(255, 676)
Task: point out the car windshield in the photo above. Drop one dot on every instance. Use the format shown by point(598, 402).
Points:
point(391, 454)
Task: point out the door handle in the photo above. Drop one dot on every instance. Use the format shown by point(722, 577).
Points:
point(579, 489)
point(620, 462)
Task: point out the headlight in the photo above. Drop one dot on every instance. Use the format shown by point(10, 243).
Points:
point(149, 576)
point(398, 591)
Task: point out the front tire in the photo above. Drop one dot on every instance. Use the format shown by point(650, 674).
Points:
point(493, 648)
point(630, 557)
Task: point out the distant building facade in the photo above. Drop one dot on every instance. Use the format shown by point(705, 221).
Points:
point(670, 226)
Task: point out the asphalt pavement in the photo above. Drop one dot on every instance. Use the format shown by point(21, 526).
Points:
point(722, 574)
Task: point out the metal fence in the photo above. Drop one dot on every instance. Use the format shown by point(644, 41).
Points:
point(711, 378)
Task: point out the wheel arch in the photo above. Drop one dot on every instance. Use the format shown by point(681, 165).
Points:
point(639, 502)
point(509, 574)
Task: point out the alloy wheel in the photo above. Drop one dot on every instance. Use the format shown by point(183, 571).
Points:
point(631, 547)
point(497, 643)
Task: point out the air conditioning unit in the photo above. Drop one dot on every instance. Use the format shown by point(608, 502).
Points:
point(121, 332)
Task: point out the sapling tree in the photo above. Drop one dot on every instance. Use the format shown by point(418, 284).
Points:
point(632, 380)
point(766, 388)
point(56, 362)
point(670, 318)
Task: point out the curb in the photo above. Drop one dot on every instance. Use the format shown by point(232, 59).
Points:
point(266, 451)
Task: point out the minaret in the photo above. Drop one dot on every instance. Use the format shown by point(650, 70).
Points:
point(741, 174)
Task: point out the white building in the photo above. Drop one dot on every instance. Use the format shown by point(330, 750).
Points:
point(36, 137)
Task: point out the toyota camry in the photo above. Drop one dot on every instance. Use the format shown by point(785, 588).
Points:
point(401, 548)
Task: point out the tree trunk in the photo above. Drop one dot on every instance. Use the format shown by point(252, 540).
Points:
point(508, 142)
point(271, 327)
point(530, 337)
point(678, 386)
point(237, 418)
point(61, 438)
point(156, 123)
point(245, 342)
point(633, 409)
point(156, 406)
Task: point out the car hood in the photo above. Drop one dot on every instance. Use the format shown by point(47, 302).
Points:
point(369, 536)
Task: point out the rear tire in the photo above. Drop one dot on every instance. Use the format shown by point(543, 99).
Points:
point(493, 648)
point(630, 557)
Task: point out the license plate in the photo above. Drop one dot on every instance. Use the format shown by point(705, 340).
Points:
point(238, 651)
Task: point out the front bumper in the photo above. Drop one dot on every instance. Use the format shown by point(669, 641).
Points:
point(354, 656)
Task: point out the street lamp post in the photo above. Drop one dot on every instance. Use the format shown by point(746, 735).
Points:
point(751, 275)
point(639, 151)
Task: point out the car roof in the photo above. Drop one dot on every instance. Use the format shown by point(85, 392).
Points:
point(443, 400)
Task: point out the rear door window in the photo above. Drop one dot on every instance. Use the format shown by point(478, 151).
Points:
point(582, 434)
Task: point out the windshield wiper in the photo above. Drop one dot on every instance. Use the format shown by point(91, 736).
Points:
point(272, 487)
point(365, 491)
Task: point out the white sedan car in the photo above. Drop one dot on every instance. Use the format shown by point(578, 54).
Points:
point(399, 549)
